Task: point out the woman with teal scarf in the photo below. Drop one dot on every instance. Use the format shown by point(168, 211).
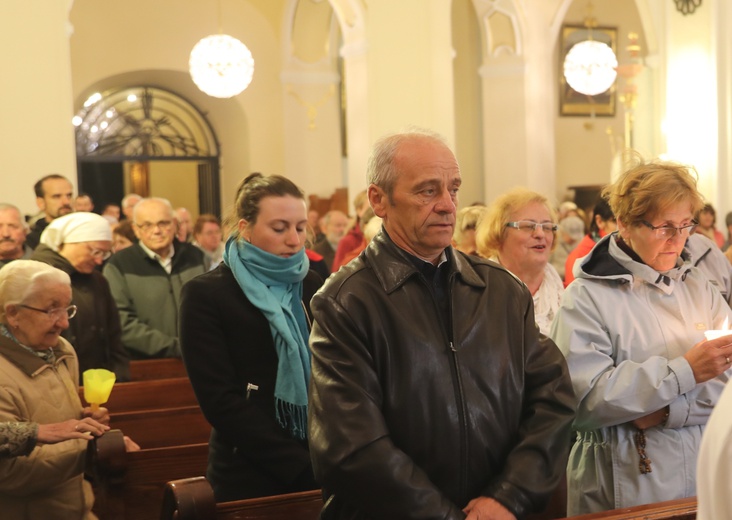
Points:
point(244, 336)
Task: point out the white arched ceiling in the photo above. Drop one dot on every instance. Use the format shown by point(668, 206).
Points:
point(351, 16)
point(500, 27)
point(644, 12)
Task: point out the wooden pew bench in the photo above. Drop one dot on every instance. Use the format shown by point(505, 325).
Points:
point(163, 427)
point(193, 499)
point(129, 486)
point(682, 509)
point(146, 369)
point(149, 395)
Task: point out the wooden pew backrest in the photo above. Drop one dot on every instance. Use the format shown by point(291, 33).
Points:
point(129, 486)
point(146, 369)
point(149, 395)
point(681, 509)
point(191, 499)
point(163, 427)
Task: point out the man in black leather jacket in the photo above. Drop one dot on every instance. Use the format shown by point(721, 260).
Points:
point(433, 395)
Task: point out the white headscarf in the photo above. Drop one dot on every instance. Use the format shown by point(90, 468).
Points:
point(74, 228)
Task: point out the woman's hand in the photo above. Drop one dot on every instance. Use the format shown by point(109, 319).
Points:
point(652, 419)
point(101, 414)
point(710, 358)
point(71, 429)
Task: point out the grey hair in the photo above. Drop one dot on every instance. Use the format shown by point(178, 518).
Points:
point(328, 216)
point(129, 197)
point(380, 169)
point(144, 201)
point(20, 279)
point(5, 206)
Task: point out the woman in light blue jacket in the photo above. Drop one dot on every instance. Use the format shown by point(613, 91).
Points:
point(632, 329)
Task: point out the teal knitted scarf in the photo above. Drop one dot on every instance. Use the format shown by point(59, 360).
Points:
point(274, 285)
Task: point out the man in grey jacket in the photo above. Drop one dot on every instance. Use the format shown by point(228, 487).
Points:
point(146, 280)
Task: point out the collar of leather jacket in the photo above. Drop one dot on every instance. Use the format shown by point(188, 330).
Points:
point(393, 267)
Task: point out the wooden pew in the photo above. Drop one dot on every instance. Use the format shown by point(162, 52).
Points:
point(163, 427)
point(129, 486)
point(146, 369)
point(682, 509)
point(149, 395)
point(193, 499)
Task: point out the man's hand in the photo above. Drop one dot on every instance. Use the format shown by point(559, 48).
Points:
point(484, 508)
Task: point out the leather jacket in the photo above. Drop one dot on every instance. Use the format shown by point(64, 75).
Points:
point(412, 416)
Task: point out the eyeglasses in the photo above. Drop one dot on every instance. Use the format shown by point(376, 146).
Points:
point(529, 226)
point(163, 225)
point(99, 253)
point(668, 232)
point(56, 313)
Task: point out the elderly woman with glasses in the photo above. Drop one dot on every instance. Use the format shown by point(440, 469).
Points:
point(38, 383)
point(518, 232)
point(632, 327)
point(78, 244)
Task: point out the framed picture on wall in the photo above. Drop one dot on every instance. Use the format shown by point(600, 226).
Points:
point(571, 102)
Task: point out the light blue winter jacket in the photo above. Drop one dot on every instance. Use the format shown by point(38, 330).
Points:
point(624, 328)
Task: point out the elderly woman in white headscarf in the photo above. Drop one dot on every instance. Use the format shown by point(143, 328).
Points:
point(78, 243)
point(38, 383)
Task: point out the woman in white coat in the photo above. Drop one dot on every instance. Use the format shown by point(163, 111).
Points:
point(632, 329)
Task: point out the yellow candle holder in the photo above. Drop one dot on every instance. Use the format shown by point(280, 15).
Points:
point(98, 383)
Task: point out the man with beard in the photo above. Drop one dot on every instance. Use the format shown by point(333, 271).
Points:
point(53, 197)
point(12, 235)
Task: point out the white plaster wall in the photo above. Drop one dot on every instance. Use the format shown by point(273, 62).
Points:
point(409, 66)
point(138, 41)
point(36, 136)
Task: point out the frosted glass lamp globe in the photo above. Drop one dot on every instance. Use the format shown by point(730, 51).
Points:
point(221, 66)
point(590, 67)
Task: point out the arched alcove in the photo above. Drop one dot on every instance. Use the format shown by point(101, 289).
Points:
point(137, 138)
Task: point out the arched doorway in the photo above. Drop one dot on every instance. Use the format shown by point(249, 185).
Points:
point(149, 141)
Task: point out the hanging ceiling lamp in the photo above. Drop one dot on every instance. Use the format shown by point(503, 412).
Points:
point(220, 65)
point(590, 66)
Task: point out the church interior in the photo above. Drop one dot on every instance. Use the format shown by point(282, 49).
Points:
point(331, 76)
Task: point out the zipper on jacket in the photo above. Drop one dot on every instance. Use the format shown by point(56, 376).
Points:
point(458, 384)
point(462, 412)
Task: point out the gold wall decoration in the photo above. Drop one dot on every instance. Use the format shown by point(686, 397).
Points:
point(140, 178)
point(312, 108)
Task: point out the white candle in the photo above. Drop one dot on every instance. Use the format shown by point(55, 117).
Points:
point(714, 334)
